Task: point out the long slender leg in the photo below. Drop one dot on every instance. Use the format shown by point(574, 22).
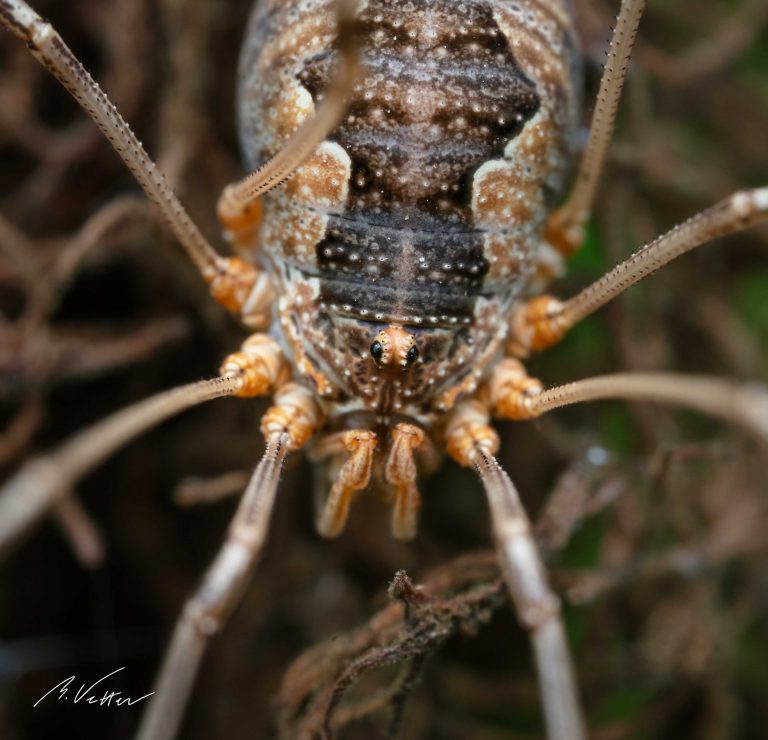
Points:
point(31, 492)
point(255, 370)
point(565, 230)
point(400, 471)
point(354, 475)
point(48, 48)
point(286, 426)
point(238, 207)
point(236, 284)
point(513, 395)
point(544, 320)
point(472, 442)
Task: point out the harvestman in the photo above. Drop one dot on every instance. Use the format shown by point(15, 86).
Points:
point(505, 391)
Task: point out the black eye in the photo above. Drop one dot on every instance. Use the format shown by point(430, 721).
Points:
point(377, 351)
point(412, 356)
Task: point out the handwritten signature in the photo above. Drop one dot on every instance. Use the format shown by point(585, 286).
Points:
point(90, 695)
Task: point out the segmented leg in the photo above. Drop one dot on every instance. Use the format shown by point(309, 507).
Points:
point(258, 368)
point(245, 291)
point(565, 230)
point(472, 442)
point(30, 493)
point(544, 320)
point(239, 286)
point(286, 426)
point(48, 48)
point(354, 475)
point(239, 209)
point(400, 472)
point(260, 364)
point(513, 395)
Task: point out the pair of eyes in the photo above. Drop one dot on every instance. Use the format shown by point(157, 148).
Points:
point(377, 352)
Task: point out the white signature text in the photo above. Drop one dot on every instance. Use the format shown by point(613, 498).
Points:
point(92, 694)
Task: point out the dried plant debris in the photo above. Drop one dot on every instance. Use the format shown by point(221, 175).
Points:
point(321, 692)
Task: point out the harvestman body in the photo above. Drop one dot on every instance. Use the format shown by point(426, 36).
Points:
point(412, 164)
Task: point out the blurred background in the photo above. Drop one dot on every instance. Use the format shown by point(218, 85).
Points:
point(654, 522)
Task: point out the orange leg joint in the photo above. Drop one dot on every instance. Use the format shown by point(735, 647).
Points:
point(564, 233)
point(469, 427)
point(244, 290)
point(537, 325)
point(295, 413)
point(510, 390)
point(260, 363)
point(241, 219)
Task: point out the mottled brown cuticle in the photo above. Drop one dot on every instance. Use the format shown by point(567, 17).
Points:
point(428, 209)
point(441, 94)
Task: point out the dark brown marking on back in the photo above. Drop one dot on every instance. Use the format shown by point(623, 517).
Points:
point(441, 95)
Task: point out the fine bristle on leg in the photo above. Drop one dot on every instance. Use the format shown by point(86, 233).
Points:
point(207, 610)
point(537, 607)
point(238, 205)
point(472, 442)
point(745, 405)
point(565, 230)
point(544, 320)
point(512, 394)
point(287, 426)
point(237, 285)
point(49, 49)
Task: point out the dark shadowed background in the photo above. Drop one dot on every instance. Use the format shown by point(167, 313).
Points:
point(664, 567)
